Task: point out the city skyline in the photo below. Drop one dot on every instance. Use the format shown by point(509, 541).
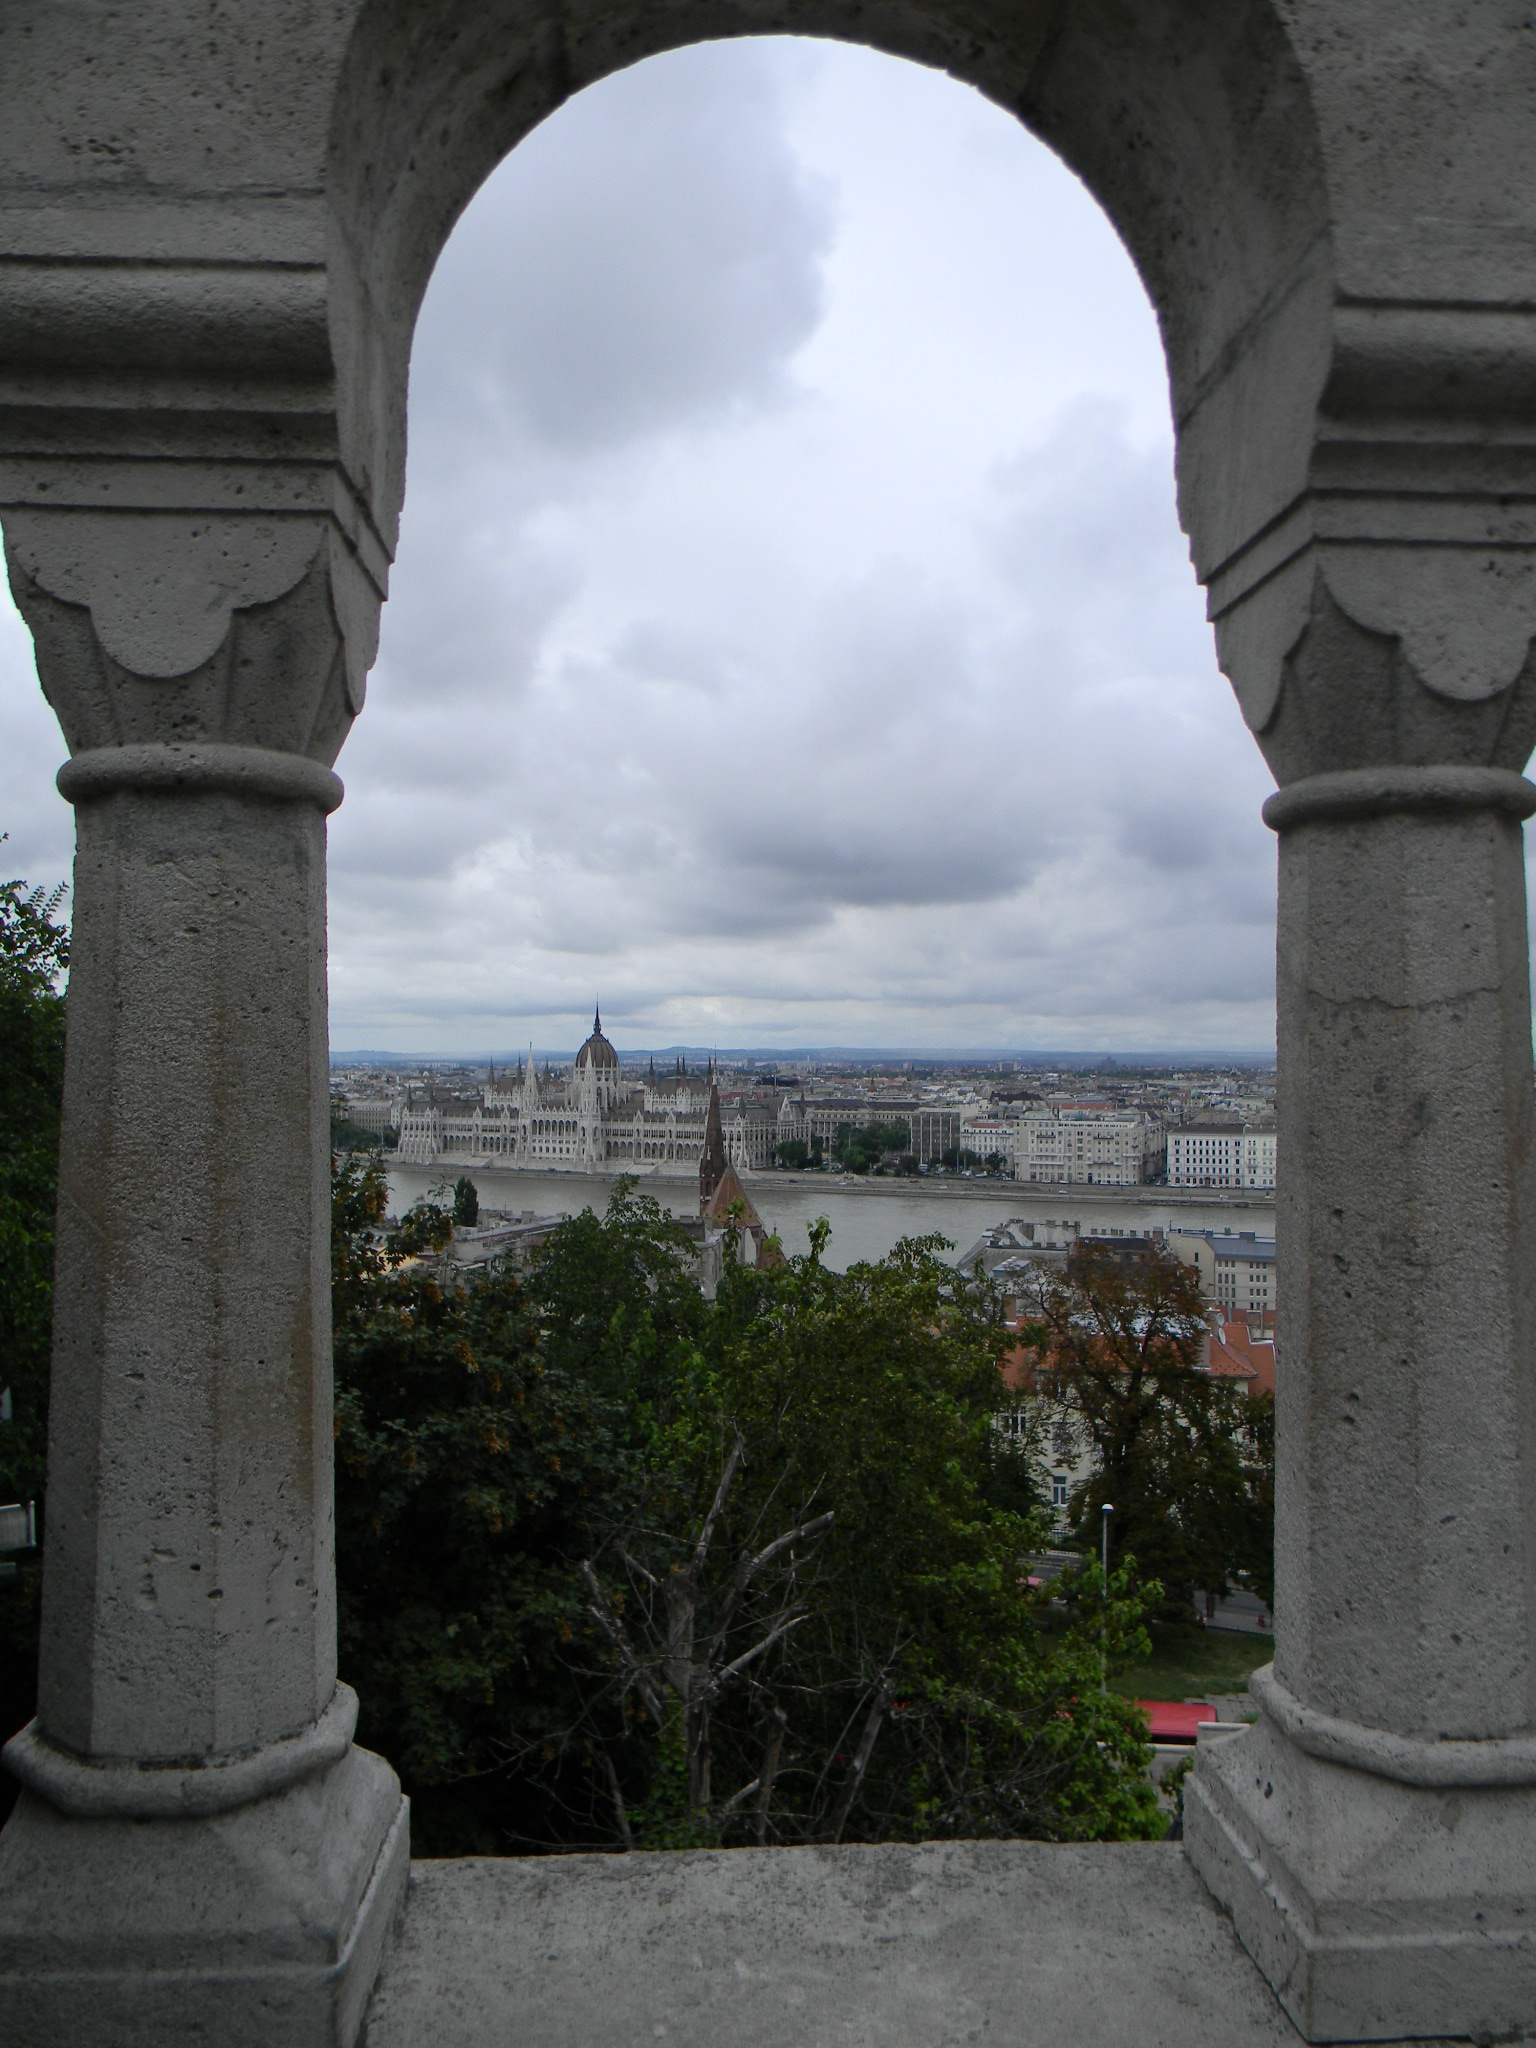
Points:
point(1086, 1059)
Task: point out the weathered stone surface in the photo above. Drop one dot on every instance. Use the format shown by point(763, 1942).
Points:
point(1017, 1944)
point(1405, 1591)
point(258, 1928)
point(189, 1572)
point(1384, 1881)
point(1377, 1908)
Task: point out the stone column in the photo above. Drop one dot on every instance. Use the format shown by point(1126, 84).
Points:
point(199, 1852)
point(1375, 1833)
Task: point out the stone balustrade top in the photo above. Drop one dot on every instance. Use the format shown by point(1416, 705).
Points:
point(1011, 1944)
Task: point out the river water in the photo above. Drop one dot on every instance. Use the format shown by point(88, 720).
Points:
point(867, 1217)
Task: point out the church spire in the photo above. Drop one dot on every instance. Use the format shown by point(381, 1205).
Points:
point(713, 1164)
point(597, 1020)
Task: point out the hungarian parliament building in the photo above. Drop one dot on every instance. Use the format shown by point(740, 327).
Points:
point(598, 1118)
point(595, 1118)
point(592, 1119)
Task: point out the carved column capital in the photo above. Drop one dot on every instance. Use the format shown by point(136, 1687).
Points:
point(178, 629)
point(1384, 654)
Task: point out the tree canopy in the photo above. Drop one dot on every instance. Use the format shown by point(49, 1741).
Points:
point(622, 1566)
point(34, 957)
point(858, 1148)
point(1185, 1459)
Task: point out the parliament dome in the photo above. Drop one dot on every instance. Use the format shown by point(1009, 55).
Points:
point(597, 1052)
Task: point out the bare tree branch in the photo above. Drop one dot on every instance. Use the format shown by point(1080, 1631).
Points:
point(750, 1567)
point(732, 1463)
point(618, 1804)
point(613, 1629)
point(770, 1769)
point(803, 1534)
point(781, 1628)
point(739, 1798)
point(634, 1565)
point(877, 1713)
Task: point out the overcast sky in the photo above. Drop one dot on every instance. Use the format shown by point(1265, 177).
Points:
point(792, 641)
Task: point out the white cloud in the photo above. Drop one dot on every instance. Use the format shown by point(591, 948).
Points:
point(38, 824)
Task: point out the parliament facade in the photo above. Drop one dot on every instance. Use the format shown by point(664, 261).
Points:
point(592, 1119)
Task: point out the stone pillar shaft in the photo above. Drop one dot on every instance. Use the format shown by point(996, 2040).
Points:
point(1406, 1568)
point(199, 1852)
point(189, 1608)
point(1374, 1833)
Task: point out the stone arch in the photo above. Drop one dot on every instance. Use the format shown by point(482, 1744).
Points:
point(216, 225)
point(1189, 120)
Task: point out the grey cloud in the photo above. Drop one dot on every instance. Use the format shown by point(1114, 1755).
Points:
point(884, 862)
point(470, 612)
point(650, 255)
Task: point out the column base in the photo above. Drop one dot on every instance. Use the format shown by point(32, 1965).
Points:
point(261, 1927)
point(1379, 1910)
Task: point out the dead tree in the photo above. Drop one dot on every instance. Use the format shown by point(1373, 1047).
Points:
point(686, 1655)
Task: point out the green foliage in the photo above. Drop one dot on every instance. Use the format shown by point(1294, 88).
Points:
point(646, 1629)
point(1187, 1461)
point(797, 1152)
point(872, 1393)
point(973, 1162)
point(1191, 1662)
point(466, 1202)
point(34, 956)
point(858, 1148)
point(468, 1469)
point(347, 1136)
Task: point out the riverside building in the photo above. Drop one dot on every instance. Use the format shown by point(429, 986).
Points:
point(1210, 1155)
point(582, 1122)
point(1072, 1146)
point(1236, 1267)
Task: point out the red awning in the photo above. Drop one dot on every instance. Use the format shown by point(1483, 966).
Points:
point(1176, 1720)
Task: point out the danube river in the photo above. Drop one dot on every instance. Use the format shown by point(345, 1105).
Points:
point(867, 1217)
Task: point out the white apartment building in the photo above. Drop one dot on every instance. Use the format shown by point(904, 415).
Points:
point(1259, 1156)
point(1236, 1267)
point(990, 1137)
point(1221, 1156)
point(1112, 1149)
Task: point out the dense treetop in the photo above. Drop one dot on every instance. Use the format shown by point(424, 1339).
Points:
point(622, 1565)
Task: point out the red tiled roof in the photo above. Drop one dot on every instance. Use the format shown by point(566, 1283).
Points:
point(1234, 1353)
point(728, 1191)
